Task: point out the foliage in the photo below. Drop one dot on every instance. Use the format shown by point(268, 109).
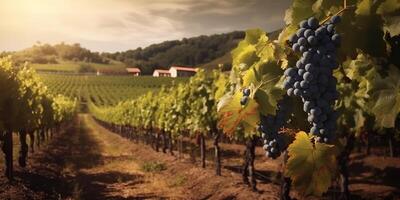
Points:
point(25, 103)
point(52, 54)
point(311, 166)
point(172, 110)
point(257, 65)
point(367, 80)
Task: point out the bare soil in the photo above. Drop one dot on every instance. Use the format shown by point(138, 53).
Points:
point(87, 161)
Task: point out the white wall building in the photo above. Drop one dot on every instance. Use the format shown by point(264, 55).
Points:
point(177, 71)
point(161, 73)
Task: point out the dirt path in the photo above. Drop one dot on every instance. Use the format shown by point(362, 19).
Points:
point(87, 161)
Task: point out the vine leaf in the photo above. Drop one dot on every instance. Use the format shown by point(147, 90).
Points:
point(364, 7)
point(311, 167)
point(233, 114)
point(388, 6)
point(385, 101)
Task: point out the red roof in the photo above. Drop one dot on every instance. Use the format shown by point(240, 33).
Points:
point(184, 68)
point(133, 70)
point(162, 71)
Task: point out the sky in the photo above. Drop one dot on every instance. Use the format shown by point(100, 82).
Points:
point(118, 25)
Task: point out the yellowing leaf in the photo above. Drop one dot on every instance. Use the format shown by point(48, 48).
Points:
point(364, 7)
point(311, 167)
point(388, 6)
point(233, 114)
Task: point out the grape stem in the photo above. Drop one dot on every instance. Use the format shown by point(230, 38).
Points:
point(345, 7)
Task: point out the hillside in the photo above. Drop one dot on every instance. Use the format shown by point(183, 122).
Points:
point(202, 51)
point(194, 51)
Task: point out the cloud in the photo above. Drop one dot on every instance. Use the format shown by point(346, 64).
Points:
point(110, 25)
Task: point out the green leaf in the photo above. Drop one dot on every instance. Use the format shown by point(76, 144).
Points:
point(298, 11)
point(385, 98)
point(251, 77)
point(244, 54)
point(310, 166)
point(232, 115)
point(253, 35)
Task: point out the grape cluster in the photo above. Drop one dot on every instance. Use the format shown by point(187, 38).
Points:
point(274, 143)
point(312, 78)
point(245, 98)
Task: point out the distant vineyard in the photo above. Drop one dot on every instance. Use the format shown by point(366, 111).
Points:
point(105, 90)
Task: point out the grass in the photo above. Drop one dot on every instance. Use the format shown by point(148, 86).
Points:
point(153, 166)
point(179, 180)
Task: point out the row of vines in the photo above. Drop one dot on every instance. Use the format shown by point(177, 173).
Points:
point(103, 90)
point(352, 89)
point(27, 108)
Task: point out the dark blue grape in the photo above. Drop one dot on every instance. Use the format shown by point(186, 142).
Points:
point(287, 84)
point(297, 92)
point(297, 85)
point(299, 64)
point(289, 92)
point(330, 28)
point(302, 49)
point(302, 41)
point(246, 92)
point(300, 32)
point(336, 39)
point(244, 100)
point(314, 130)
point(307, 76)
point(290, 72)
point(335, 19)
point(308, 33)
point(304, 24)
point(312, 22)
point(296, 47)
point(307, 106)
point(304, 84)
point(293, 39)
point(312, 40)
point(316, 111)
point(309, 67)
point(300, 72)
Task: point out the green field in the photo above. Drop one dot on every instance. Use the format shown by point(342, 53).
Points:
point(70, 66)
point(104, 90)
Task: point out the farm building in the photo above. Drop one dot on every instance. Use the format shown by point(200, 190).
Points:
point(177, 71)
point(161, 73)
point(134, 71)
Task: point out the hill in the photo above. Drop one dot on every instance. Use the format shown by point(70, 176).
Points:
point(194, 51)
point(202, 51)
